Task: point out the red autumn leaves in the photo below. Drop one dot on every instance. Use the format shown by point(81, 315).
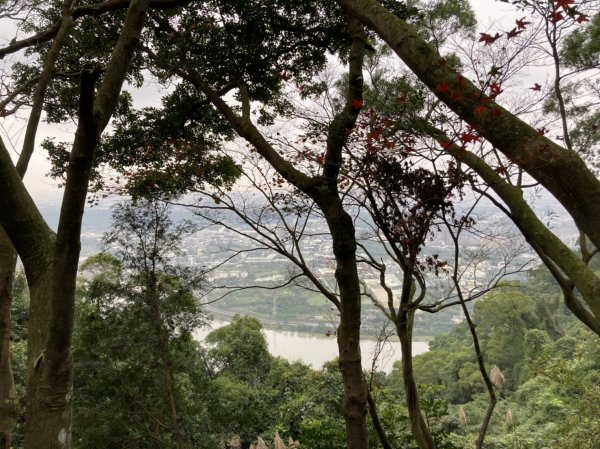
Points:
point(489, 39)
point(563, 9)
point(560, 10)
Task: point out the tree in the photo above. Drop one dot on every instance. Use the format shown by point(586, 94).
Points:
point(240, 350)
point(50, 260)
point(519, 142)
point(243, 403)
point(135, 349)
point(323, 189)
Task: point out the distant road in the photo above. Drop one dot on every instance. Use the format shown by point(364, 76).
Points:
point(262, 318)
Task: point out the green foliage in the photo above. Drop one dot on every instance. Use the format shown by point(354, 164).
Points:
point(313, 412)
point(581, 48)
point(446, 18)
point(241, 350)
point(134, 328)
point(549, 359)
point(20, 307)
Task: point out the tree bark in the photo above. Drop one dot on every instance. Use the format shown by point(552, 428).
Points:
point(560, 171)
point(348, 335)
point(420, 430)
point(383, 439)
point(8, 395)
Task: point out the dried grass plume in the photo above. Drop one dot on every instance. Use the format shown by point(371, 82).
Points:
point(462, 417)
point(497, 377)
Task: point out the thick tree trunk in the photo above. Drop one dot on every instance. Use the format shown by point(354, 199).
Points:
point(420, 430)
point(348, 336)
point(8, 254)
point(8, 395)
point(51, 382)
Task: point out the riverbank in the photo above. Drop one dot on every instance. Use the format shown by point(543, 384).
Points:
point(315, 349)
point(309, 327)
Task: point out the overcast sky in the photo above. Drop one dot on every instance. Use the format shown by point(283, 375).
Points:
point(44, 190)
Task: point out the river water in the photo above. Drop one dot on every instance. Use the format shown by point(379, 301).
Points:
point(315, 350)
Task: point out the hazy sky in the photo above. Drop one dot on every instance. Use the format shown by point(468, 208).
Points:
point(45, 190)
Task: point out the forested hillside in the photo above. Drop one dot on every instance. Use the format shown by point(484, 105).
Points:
point(230, 390)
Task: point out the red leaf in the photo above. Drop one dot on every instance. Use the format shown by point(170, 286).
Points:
point(495, 89)
point(536, 87)
point(521, 24)
point(468, 137)
point(542, 131)
point(481, 109)
point(582, 18)
point(564, 4)
point(357, 103)
point(320, 159)
point(488, 39)
point(513, 33)
point(443, 88)
point(375, 134)
point(556, 17)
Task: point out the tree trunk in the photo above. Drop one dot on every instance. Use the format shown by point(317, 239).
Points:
point(51, 382)
point(8, 395)
point(348, 335)
point(8, 257)
point(323, 190)
point(420, 430)
point(166, 366)
point(383, 439)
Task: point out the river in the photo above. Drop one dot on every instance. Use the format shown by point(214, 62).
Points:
point(315, 350)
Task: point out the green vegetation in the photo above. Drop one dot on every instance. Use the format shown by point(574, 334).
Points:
point(549, 361)
point(231, 388)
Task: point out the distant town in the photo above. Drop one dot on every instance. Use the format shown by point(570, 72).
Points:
point(246, 283)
